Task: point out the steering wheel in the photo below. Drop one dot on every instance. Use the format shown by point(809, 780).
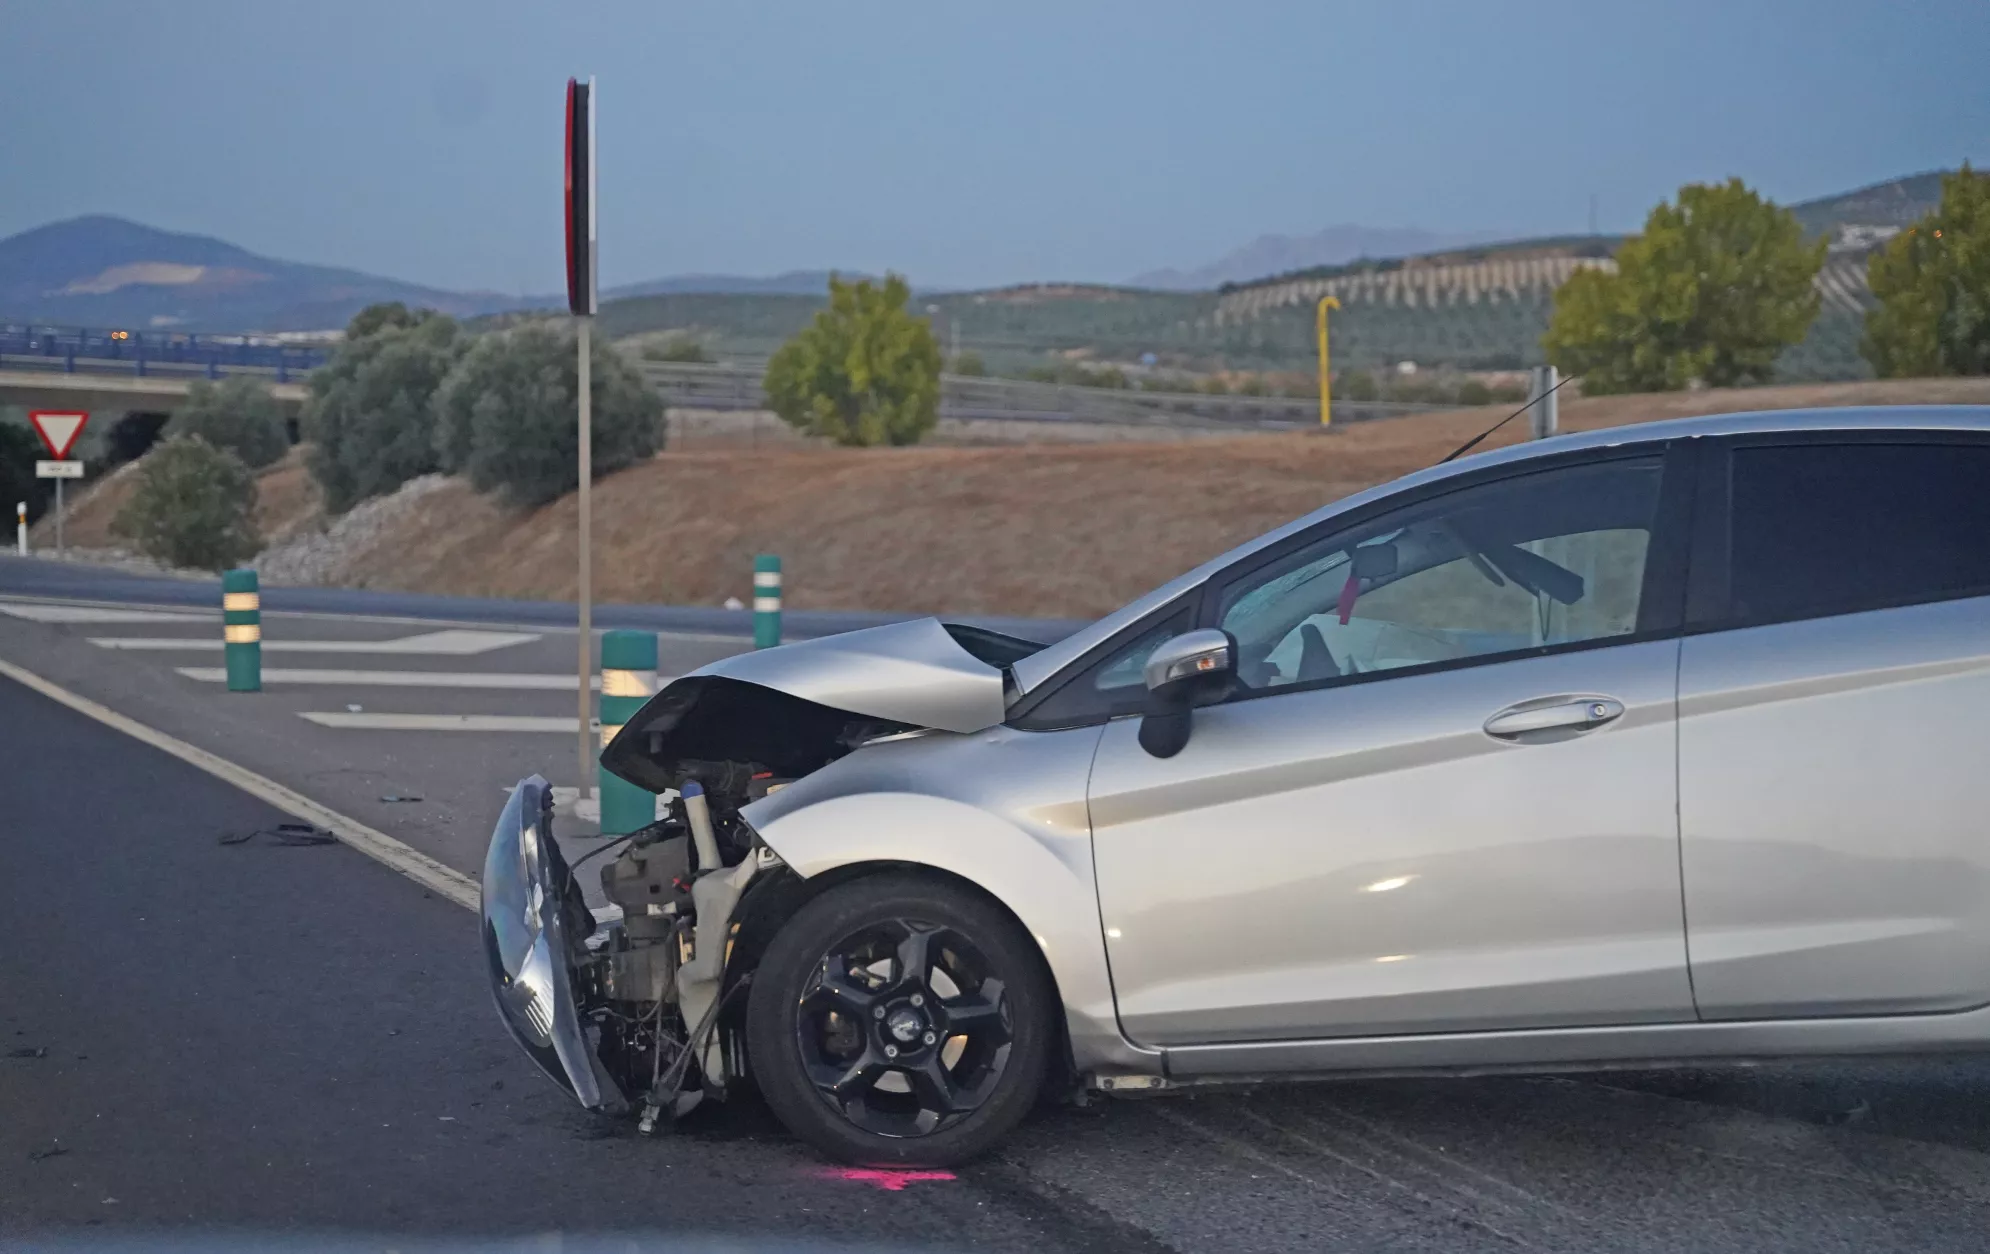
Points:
point(1316, 661)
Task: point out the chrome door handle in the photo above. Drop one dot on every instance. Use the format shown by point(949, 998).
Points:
point(1555, 714)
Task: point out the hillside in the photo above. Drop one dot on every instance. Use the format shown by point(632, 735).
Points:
point(1476, 307)
point(1044, 530)
point(105, 271)
point(1278, 254)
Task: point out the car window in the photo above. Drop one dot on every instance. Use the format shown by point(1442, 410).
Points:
point(1837, 528)
point(1547, 559)
point(1111, 686)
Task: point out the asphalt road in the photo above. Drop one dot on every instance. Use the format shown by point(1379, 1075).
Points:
point(284, 1042)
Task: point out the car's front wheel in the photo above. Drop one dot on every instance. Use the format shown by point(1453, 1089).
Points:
point(900, 1020)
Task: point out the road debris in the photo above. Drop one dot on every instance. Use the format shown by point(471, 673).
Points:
point(283, 834)
point(393, 797)
point(29, 1051)
point(55, 1149)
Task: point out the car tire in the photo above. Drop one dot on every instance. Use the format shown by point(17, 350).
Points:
point(970, 1055)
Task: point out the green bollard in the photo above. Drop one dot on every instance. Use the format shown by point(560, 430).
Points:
point(242, 630)
point(766, 601)
point(628, 678)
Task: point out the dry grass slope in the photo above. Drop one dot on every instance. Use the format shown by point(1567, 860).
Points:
point(1060, 531)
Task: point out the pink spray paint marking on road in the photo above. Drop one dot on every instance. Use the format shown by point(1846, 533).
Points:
point(882, 1178)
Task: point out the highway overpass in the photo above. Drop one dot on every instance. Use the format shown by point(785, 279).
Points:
point(130, 371)
point(112, 393)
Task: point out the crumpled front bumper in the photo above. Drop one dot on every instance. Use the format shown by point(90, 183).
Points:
point(533, 921)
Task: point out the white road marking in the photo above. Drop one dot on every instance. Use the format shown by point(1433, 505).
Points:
point(44, 612)
point(347, 721)
point(452, 643)
point(444, 881)
point(397, 679)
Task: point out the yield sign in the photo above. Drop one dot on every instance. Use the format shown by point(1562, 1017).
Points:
point(59, 429)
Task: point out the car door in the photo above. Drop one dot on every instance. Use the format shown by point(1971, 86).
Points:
point(1834, 713)
point(1442, 796)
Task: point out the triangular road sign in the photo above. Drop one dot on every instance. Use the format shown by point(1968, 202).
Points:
point(59, 429)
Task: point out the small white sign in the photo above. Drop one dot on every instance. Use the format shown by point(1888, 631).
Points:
point(59, 470)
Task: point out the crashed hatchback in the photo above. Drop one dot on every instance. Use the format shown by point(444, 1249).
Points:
point(1632, 748)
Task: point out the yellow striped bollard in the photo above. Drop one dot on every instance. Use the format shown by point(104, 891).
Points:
point(242, 630)
point(628, 677)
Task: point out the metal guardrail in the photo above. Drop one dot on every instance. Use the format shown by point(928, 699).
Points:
point(972, 397)
point(85, 350)
point(689, 385)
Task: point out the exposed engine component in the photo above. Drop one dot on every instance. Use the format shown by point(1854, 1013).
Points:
point(655, 982)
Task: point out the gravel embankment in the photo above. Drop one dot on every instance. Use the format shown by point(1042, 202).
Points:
point(316, 557)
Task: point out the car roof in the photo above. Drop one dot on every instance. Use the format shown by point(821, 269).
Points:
point(1034, 669)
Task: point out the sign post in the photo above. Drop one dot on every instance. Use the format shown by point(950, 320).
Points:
point(1326, 375)
point(58, 429)
point(581, 304)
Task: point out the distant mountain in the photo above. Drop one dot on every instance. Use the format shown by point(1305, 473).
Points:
point(1281, 254)
point(105, 271)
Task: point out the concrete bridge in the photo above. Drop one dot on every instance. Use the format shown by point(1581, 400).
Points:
point(130, 371)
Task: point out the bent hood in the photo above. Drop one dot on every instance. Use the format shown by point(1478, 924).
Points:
point(789, 709)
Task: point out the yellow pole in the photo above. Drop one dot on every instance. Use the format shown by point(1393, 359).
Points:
point(1320, 325)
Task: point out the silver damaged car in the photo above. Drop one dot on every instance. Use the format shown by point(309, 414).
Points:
point(1632, 748)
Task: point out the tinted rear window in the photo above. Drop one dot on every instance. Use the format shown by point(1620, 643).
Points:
point(1838, 528)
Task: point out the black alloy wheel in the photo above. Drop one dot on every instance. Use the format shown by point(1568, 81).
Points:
point(900, 1020)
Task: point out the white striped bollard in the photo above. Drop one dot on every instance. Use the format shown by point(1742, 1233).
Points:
point(766, 601)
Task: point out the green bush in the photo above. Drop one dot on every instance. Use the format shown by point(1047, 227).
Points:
point(864, 372)
point(1933, 286)
point(368, 416)
point(239, 415)
point(1716, 289)
point(677, 348)
point(20, 449)
point(507, 415)
point(191, 506)
point(968, 363)
point(1473, 392)
point(1356, 385)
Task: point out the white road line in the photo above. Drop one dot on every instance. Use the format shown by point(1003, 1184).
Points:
point(347, 721)
point(399, 679)
point(41, 612)
point(453, 643)
point(444, 881)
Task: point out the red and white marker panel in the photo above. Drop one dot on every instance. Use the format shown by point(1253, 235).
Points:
point(59, 429)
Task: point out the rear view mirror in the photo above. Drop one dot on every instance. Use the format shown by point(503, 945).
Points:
point(1194, 668)
point(1375, 561)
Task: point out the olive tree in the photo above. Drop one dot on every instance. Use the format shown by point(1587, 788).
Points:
point(506, 415)
point(191, 506)
point(238, 414)
point(368, 417)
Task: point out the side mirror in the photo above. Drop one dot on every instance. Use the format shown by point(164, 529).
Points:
point(1194, 668)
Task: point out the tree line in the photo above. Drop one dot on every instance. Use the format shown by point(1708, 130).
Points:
point(1721, 281)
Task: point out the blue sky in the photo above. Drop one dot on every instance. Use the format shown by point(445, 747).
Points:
point(960, 144)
